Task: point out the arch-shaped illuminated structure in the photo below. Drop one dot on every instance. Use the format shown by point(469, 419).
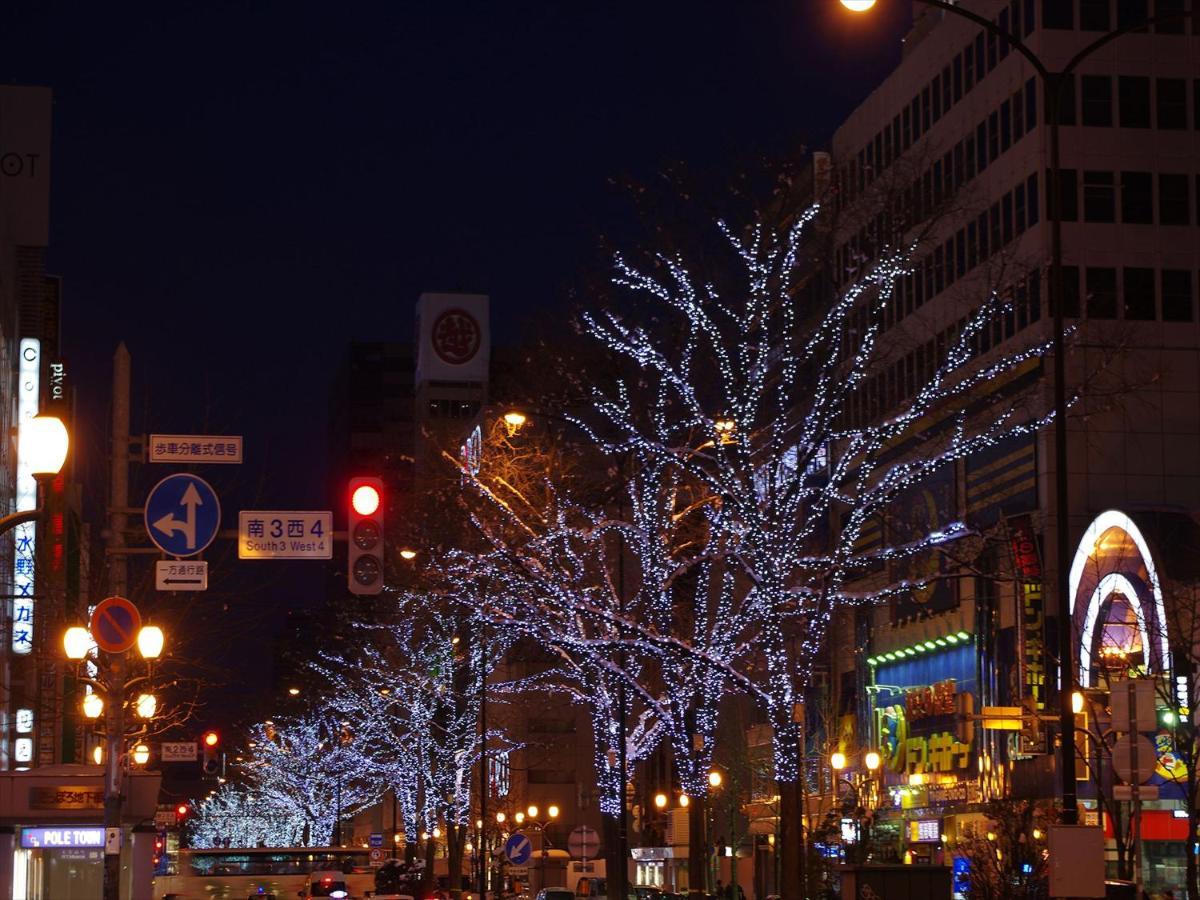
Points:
point(1113, 557)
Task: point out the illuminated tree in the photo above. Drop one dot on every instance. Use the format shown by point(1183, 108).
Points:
point(763, 397)
point(233, 817)
point(306, 767)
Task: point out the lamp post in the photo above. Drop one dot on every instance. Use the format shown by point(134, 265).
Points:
point(111, 691)
point(1052, 81)
point(531, 816)
point(44, 442)
point(864, 807)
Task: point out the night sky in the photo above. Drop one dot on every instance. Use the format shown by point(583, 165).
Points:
point(239, 189)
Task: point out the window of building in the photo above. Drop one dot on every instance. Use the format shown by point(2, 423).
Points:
point(1027, 18)
point(915, 111)
point(980, 71)
point(981, 160)
point(1058, 14)
point(1174, 12)
point(993, 129)
point(1030, 104)
point(1138, 285)
point(1068, 196)
point(984, 250)
point(905, 128)
point(1019, 208)
point(947, 96)
point(1018, 116)
point(1196, 94)
point(968, 64)
point(1005, 126)
point(1031, 195)
point(1176, 295)
point(1099, 197)
point(958, 77)
point(1171, 99)
point(1096, 97)
point(1101, 292)
point(992, 47)
point(925, 110)
point(1137, 201)
point(1093, 15)
point(1066, 101)
point(1006, 217)
point(1131, 12)
point(1070, 291)
point(935, 93)
point(1174, 202)
point(1002, 21)
point(1134, 96)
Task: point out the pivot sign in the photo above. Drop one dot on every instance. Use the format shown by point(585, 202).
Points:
point(182, 515)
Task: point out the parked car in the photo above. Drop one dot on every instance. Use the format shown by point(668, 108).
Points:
point(555, 893)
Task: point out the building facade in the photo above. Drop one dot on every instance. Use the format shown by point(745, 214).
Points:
point(951, 153)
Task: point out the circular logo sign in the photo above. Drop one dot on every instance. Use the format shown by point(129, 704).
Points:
point(456, 337)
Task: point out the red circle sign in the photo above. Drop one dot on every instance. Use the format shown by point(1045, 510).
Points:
point(456, 337)
point(115, 625)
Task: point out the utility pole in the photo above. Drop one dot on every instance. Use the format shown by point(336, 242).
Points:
point(118, 519)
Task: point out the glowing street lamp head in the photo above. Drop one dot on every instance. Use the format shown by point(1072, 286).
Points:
point(146, 706)
point(150, 641)
point(500, 817)
point(365, 499)
point(77, 642)
point(93, 706)
point(858, 6)
point(44, 443)
point(408, 554)
point(141, 754)
point(684, 800)
point(532, 811)
point(714, 779)
point(519, 818)
point(1076, 702)
point(552, 812)
point(872, 760)
point(838, 761)
point(514, 419)
point(660, 800)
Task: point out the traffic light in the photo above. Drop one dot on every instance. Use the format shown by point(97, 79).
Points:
point(212, 762)
point(181, 813)
point(364, 569)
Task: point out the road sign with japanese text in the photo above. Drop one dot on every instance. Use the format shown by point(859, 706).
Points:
point(285, 534)
point(194, 448)
point(181, 575)
point(178, 751)
point(182, 515)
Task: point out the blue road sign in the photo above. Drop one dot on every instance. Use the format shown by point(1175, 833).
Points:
point(376, 839)
point(182, 514)
point(518, 849)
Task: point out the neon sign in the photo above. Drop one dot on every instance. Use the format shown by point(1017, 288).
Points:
point(29, 373)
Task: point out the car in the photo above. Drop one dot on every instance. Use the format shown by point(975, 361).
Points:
point(555, 893)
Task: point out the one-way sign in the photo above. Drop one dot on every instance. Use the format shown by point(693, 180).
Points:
point(178, 575)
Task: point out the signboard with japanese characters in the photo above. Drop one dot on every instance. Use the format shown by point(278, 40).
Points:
point(66, 797)
point(194, 448)
point(179, 751)
point(181, 575)
point(285, 534)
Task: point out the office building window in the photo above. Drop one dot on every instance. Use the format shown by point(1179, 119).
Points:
point(1173, 11)
point(1131, 12)
point(958, 77)
point(1005, 126)
point(1099, 200)
point(1019, 208)
point(1066, 101)
point(1027, 18)
point(1068, 196)
point(1030, 104)
point(1134, 98)
point(968, 64)
point(1138, 284)
point(1096, 99)
point(1093, 15)
point(981, 160)
point(1101, 292)
point(1031, 193)
point(1176, 295)
point(1137, 200)
point(1171, 98)
point(993, 128)
point(1196, 94)
point(936, 97)
point(1018, 116)
point(1058, 14)
point(1006, 216)
point(1174, 201)
point(1070, 291)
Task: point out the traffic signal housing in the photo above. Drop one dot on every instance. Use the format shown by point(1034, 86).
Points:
point(181, 813)
point(364, 563)
point(211, 764)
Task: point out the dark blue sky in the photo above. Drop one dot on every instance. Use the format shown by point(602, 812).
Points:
point(241, 188)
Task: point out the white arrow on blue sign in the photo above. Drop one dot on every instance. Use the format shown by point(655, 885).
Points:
point(182, 514)
point(518, 849)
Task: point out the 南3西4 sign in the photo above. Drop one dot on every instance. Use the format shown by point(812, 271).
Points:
point(285, 534)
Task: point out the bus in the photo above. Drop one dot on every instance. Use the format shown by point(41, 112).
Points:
point(267, 873)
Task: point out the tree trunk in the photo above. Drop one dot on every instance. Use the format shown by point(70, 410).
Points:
point(611, 825)
point(697, 845)
point(791, 844)
point(454, 852)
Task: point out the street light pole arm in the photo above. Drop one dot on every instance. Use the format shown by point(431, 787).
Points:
point(11, 521)
point(992, 28)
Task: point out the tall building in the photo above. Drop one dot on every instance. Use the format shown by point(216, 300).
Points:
point(952, 150)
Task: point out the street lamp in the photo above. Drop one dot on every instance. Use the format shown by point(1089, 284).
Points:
point(44, 443)
point(108, 696)
point(1052, 81)
point(531, 815)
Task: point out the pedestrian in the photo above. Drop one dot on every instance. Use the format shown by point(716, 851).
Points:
point(741, 894)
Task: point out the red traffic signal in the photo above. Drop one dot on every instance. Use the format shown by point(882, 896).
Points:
point(364, 562)
point(211, 764)
point(181, 810)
